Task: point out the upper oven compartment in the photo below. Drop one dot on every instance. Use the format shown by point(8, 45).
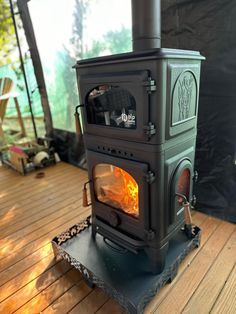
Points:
point(116, 104)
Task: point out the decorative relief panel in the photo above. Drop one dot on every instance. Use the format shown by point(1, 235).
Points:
point(184, 98)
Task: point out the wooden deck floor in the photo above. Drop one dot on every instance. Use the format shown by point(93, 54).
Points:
point(33, 211)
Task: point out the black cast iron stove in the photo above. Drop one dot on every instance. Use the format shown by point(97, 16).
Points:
point(139, 113)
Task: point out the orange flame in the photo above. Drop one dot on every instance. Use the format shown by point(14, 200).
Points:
point(183, 184)
point(119, 190)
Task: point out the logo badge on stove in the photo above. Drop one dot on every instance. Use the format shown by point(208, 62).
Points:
point(128, 118)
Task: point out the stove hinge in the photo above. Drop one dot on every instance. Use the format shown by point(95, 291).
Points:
point(150, 85)
point(150, 177)
point(150, 129)
point(149, 234)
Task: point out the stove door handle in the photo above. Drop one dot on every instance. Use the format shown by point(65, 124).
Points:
point(85, 196)
point(77, 119)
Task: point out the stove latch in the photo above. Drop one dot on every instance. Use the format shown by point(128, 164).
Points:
point(150, 177)
point(150, 129)
point(149, 234)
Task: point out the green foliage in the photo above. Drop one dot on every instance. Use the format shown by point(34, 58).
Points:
point(7, 34)
point(81, 7)
point(113, 42)
point(63, 93)
point(118, 41)
point(8, 44)
point(97, 48)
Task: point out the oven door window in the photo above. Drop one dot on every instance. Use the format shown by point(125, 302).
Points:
point(116, 188)
point(111, 105)
point(183, 185)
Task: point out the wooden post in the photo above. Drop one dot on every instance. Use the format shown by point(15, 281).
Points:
point(20, 117)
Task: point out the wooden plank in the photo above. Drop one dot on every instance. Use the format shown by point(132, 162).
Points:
point(92, 303)
point(31, 223)
point(5, 176)
point(50, 194)
point(111, 307)
point(22, 279)
point(8, 246)
point(15, 184)
point(212, 284)
point(22, 252)
point(26, 272)
point(15, 215)
point(33, 288)
point(6, 173)
point(226, 302)
point(37, 214)
point(41, 187)
point(11, 194)
point(21, 121)
point(38, 188)
point(51, 293)
point(34, 231)
point(208, 226)
point(49, 203)
point(40, 200)
point(55, 173)
point(183, 289)
point(28, 263)
point(69, 299)
point(9, 177)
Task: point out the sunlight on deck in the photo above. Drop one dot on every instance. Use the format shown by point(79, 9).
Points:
point(3, 194)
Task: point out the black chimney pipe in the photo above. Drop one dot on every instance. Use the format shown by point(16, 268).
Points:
point(146, 24)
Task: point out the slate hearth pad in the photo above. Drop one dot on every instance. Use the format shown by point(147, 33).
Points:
point(123, 275)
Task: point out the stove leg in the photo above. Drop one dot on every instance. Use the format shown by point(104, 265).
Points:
point(157, 258)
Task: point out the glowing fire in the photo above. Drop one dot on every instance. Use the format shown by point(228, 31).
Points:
point(183, 185)
point(117, 188)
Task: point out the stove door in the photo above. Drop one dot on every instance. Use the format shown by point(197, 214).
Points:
point(119, 192)
point(116, 104)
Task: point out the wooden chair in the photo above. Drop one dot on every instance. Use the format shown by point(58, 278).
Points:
point(6, 92)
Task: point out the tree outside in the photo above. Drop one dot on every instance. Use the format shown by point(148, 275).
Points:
point(7, 35)
point(63, 93)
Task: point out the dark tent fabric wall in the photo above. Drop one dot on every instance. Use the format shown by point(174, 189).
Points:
point(210, 27)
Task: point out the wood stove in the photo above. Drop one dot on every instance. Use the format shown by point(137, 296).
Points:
point(139, 113)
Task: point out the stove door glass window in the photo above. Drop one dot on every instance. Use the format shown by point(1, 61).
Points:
point(183, 185)
point(116, 188)
point(110, 105)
